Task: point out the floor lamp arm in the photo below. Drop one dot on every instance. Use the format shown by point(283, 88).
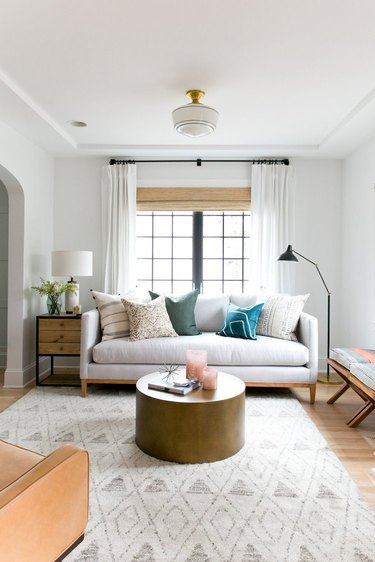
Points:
point(317, 268)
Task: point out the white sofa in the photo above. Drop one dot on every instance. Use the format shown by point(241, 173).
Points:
point(266, 361)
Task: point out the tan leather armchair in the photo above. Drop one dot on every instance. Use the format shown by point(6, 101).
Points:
point(43, 502)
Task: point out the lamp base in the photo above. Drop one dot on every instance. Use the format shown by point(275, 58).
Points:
point(333, 378)
point(71, 300)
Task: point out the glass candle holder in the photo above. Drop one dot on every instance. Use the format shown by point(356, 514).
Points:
point(209, 378)
point(196, 361)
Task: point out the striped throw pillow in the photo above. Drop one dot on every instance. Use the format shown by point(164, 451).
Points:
point(114, 321)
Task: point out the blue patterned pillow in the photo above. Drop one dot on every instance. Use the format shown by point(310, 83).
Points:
point(241, 322)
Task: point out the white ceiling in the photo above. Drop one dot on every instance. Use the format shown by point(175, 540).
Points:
point(291, 77)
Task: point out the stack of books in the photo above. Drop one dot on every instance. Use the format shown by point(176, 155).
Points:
point(175, 388)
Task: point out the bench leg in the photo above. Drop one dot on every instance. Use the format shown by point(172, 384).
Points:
point(361, 414)
point(83, 388)
point(312, 393)
point(343, 388)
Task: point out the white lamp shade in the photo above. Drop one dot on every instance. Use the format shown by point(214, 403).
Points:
point(195, 119)
point(71, 263)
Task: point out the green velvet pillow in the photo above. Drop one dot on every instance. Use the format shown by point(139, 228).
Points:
point(181, 312)
point(241, 322)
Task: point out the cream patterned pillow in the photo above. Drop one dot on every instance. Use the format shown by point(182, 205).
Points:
point(148, 320)
point(280, 315)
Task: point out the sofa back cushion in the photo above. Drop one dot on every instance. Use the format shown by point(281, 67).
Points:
point(210, 312)
point(244, 300)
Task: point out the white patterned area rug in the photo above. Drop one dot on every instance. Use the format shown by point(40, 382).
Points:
point(284, 497)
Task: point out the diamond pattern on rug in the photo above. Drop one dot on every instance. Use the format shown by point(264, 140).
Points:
point(252, 555)
point(285, 497)
point(240, 488)
point(198, 555)
point(306, 556)
point(115, 485)
point(283, 491)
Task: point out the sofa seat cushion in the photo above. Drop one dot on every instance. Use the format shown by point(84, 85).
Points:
point(220, 351)
point(14, 462)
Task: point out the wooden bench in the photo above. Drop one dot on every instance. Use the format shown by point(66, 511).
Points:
point(356, 367)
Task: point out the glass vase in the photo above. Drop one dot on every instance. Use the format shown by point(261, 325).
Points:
point(54, 303)
point(196, 361)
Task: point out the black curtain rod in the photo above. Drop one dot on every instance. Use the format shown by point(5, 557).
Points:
point(198, 161)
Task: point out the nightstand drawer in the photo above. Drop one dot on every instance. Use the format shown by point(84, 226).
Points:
point(59, 324)
point(58, 336)
point(53, 336)
point(59, 348)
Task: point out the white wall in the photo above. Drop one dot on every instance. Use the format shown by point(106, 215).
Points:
point(4, 221)
point(77, 215)
point(77, 218)
point(27, 173)
point(317, 236)
point(358, 249)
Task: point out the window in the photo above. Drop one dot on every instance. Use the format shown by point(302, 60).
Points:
point(181, 250)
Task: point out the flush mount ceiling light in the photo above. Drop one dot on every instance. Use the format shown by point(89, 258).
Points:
point(195, 119)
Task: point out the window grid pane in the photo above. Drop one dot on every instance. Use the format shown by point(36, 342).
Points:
point(165, 245)
point(232, 267)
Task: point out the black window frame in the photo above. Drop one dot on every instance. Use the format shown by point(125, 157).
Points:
point(197, 281)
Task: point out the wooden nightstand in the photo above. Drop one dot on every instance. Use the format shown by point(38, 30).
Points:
point(57, 336)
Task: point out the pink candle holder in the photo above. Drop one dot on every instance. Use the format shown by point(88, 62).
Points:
point(196, 361)
point(209, 378)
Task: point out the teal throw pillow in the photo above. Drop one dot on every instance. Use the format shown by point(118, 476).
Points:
point(241, 322)
point(181, 312)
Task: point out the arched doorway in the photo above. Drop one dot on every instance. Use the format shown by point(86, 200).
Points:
point(4, 227)
point(15, 316)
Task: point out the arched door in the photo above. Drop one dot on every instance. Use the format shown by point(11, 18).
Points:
point(4, 226)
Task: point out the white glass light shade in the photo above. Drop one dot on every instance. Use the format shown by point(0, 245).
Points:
point(195, 119)
point(71, 263)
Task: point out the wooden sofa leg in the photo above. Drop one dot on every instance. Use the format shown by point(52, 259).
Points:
point(312, 393)
point(83, 388)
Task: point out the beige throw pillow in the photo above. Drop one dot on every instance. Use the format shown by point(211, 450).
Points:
point(148, 320)
point(280, 316)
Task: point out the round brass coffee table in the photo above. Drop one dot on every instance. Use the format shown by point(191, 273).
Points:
point(203, 426)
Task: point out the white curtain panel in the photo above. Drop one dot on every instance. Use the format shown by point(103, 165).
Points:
point(272, 227)
point(119, 211)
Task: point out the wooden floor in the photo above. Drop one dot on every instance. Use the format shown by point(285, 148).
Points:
point(354, 447)
point(11, 395)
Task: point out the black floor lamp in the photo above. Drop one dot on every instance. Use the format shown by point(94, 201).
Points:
point(289, 255)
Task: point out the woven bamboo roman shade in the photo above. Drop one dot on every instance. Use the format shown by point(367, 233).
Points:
point(193, 198)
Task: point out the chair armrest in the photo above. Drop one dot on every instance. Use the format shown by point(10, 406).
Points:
point(90, 336)
point(307, 334)
point(45, 511)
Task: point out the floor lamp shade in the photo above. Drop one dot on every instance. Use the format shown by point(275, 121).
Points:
point(66, 263)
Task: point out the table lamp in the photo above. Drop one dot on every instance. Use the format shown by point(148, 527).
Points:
point(70, 263)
